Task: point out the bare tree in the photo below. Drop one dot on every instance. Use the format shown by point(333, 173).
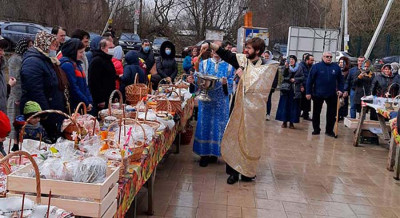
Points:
point(202, 14)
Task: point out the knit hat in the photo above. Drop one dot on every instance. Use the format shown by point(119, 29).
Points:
point(32, 107)
point(5, 126)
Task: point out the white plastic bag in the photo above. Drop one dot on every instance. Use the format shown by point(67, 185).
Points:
point(91, 170)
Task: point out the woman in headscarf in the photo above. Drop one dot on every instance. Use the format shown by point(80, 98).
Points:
point(42, 80)
point(14, 71)
point(73, 51)
point(117, 61)
point(289, 107)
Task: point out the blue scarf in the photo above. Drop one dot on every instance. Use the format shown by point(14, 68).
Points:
point(296, 67)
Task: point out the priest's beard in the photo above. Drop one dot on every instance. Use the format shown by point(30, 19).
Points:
point(251, 56)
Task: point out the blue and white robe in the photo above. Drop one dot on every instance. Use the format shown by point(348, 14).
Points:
point(213, 116)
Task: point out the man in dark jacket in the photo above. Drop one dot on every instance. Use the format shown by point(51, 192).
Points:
point(147, 55)
point(358, 82)
point(349, 86)
point(102, 75)
point(324, 83)
point(166, 64)
point(305, 104)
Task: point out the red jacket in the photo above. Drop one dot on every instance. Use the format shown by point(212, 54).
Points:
point(119, 69)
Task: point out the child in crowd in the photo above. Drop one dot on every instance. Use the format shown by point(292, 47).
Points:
point(33, 129)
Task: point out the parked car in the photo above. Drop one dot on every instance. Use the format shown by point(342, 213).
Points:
point(14, 31)
point(353, 60)
point(157, 44)
point(378, 63)
point(130, 41)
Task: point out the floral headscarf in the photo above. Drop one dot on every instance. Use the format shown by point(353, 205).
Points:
point(22, 45)
point(43, 41)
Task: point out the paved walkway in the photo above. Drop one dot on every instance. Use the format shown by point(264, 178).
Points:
point(299, 175)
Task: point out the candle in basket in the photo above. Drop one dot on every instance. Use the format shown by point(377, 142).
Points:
point(104, 135)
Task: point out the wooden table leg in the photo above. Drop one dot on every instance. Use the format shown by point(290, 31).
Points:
point(360, 123)
point(178, 142)
point(150, 193)
point(392, 155)
point(396, 165)
point(385, 131)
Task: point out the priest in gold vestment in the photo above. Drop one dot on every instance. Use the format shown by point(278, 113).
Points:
point(243, 141)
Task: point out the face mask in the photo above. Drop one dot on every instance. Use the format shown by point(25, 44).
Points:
point(167, 52)
point(52, 53)
point(146, 49)
point(111, 51)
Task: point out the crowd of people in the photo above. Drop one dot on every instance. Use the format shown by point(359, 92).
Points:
point(50, 72)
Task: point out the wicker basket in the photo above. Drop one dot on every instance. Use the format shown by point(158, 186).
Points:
point(137, 151)
point(68, 131)
point(35, 168)
point(163, 109)
point(181, 84)
point(176, 105)
point(152, 123)
point(164, 87)
point(118, 113)
point(21, 134)
point(135, 92)
point(187, 135)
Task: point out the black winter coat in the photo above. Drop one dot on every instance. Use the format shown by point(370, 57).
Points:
point(39, 82)
point(381, 83)
point(167, 68)
point(102, 77)
point(166, 64)
point(148, 59)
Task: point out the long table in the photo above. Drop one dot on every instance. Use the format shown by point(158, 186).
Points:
point(145, 171)
point(381, 119)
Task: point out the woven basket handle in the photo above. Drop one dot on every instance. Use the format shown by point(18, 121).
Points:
point(165, 80)
point(119, 123)
point(21, 134)
point(35, 168)
point(81, 104)
point(176, 93)
point(136, 79)
point(111, 98)
point(146, 109)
